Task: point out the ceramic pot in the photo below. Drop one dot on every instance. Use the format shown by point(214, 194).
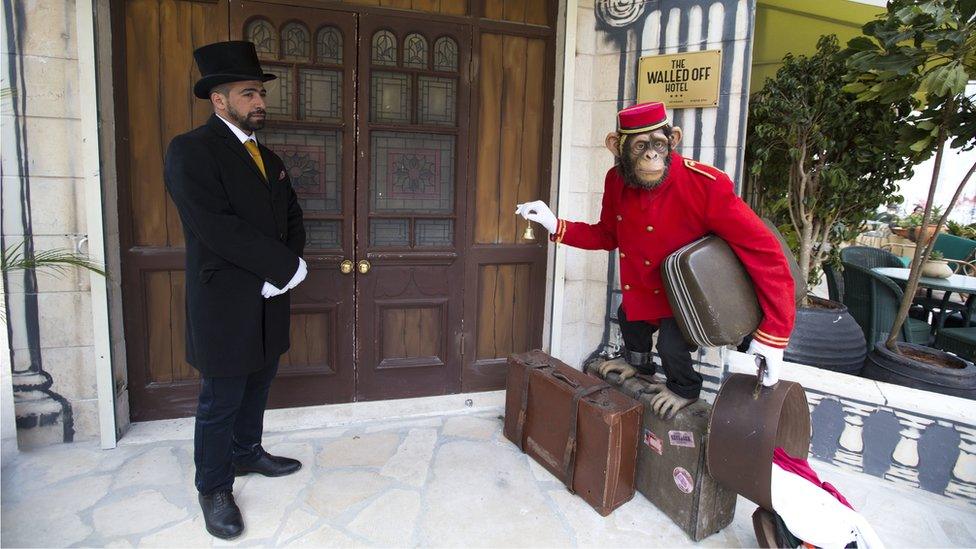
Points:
point(957, 380)
point(922, 235)
point(936, 268)
point(828, 337)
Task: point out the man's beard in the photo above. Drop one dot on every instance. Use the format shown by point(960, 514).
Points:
point(246, 122)
point(630, 174)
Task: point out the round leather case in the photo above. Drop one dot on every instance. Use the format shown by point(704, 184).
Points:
point(745, 428)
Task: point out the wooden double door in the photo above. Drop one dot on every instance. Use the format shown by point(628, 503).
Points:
point(366, 113)
point(419, 282)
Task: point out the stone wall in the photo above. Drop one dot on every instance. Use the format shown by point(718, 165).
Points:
point(49, 319)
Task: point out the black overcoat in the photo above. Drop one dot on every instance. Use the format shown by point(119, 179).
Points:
point(241, 230)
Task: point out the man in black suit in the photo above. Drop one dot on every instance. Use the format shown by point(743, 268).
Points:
point(244, 244)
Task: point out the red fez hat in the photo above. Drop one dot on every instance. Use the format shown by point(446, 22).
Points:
point(641, 118)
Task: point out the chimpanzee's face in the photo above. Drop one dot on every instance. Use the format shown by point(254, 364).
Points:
point(644, 157)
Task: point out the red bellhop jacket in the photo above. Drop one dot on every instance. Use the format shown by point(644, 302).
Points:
point(648, 225)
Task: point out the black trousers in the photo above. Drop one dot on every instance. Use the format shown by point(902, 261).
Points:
point(674, 351)
point(229, 425)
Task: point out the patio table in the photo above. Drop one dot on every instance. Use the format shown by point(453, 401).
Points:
point(956, 283)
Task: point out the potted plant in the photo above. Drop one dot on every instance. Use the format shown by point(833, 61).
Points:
point(936, 266)
point(821, 165)
point(923, 231)
point(958, 229)
point(921, 51)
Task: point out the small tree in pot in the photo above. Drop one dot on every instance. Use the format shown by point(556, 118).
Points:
point(821, 163)
point(923, 51)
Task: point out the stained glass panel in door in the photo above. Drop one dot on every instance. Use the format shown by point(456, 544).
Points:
point(321, 95)
point(278, 102)
point(313, 159)
point(412, 172)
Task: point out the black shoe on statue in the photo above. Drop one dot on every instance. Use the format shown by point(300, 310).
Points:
point(221, 514)
point(268, 465)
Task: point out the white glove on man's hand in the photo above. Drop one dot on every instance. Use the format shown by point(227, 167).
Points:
point(270, 290)
point(540, 213)
point(774, 361)
point(299, 276)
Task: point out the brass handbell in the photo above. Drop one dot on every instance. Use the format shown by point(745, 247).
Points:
point(528, 234)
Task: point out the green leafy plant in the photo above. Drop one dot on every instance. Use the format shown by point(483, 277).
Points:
point(922, 51)
point(936, 255)
point(821, 163)
point(958, 229)
point(57, 261)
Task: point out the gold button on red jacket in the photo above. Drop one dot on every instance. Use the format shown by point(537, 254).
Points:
point(694, 200)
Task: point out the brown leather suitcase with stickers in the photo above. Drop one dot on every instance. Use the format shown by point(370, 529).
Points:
point(671, 468)
point(575, 426)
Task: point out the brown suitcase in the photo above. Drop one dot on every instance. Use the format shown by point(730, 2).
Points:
point(575, 426)
point(711, 294)
point(671, 468)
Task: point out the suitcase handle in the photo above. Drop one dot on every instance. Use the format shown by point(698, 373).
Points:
point(760, 374)
point(565, 379)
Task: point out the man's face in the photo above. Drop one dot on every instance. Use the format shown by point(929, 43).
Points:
point(243, 105)
point(646, 158)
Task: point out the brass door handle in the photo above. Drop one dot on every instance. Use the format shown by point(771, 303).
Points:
point(345, 267)
point(363, 266)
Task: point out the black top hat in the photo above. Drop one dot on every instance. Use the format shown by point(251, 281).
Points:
point(224, 62)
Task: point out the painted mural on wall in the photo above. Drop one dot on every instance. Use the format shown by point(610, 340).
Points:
point(40, 410)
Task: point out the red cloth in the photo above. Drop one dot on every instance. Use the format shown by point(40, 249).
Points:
point(648, 225)
point(802, 468)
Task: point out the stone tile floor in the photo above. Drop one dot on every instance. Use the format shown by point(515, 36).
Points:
point(449, 480)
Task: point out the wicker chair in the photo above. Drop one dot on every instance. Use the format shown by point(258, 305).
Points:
point(869, 258)
point(959, 341)
point(873, 301)
point(835, 282)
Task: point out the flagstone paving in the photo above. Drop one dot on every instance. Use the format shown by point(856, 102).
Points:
point(451, 480)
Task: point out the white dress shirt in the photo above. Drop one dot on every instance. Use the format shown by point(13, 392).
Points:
point(239, 132)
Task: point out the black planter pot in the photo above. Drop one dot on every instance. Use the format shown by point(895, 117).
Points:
point(884, 365)
point(827, 337)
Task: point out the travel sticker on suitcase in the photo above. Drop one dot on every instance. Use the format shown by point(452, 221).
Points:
point(653, 442)
point(683, 480)
point(682, 438)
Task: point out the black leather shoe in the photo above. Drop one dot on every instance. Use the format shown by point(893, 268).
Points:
point(268, 465)
point(221, 514)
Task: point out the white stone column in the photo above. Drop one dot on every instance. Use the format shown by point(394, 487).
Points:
point(904, 466)
point(963, 481)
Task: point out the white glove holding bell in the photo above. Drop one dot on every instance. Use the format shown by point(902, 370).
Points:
point(270, 290)
point(539, 212)
point(774, 361)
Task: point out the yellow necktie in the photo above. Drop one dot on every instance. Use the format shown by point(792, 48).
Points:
point(252, 148)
